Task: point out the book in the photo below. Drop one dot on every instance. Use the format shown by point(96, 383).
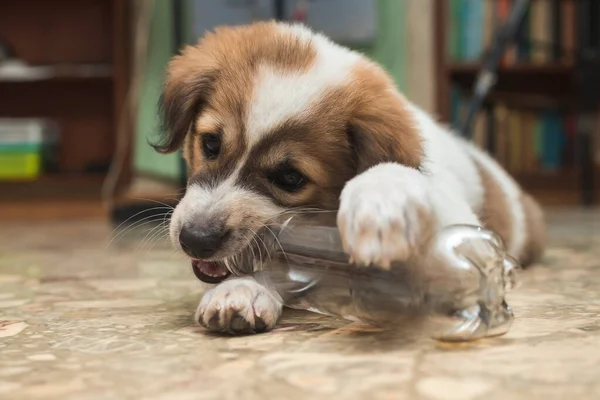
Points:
point(475, 29)
point(570, 147)
point(595, 24)
point(514, 137)
point(529, 158)
point(555, 29)
point(419, 61)
point(501, 132)
point(455, 99)
point(540, 31)
point(523, 39)
point(466, 21)
point(490, 131)
point(527, 141)
point(489, 24)
point(479, 136)
point(538, 139)
point(553, 141)
point(455, 27)
point(568, 33)
point(502, 14)
point(583, 22)
point(596, 155)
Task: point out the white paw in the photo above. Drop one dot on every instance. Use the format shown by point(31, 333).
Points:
point(385, 214)
point(239, 305)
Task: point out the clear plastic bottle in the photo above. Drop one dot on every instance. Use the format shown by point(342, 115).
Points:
point(455, 289)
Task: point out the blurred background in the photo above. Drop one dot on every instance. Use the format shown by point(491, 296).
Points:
point(80, 80)
point(86, 313)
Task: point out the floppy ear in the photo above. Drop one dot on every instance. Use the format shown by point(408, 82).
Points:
point(187, 90)
point(382, 128)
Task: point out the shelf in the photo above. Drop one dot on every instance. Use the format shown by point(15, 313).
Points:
point(516, 69)
point(551, 181)
point(55, 73)
point(53, 187)
point(38, 211)
point(527, 101)
point(553, 80)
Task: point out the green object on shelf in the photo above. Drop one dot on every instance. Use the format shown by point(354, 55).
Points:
point(20, 148)
point(20, 165)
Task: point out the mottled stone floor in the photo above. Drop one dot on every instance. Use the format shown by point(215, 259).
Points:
point(79, 320)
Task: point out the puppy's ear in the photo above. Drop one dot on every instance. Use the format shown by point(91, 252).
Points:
point(382, 128)
point(186, 92)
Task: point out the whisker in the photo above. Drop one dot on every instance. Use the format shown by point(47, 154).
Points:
point(278, 243)
point(254, 238)
point(164, 226)
point(133, 216)
point(155, 231)
point(159, 238)
point(154, 201)
point(139, 224)
point(148, 233)
point(259, 237)
point(253, 253)
point(136, 223)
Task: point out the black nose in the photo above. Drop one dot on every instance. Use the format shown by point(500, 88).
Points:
point(201, 243)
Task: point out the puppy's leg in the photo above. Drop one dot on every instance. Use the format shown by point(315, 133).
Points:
point(239, 305)
point(387, 211)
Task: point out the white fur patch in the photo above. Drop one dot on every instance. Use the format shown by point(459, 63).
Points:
point(446, 161)
point(279, 95)
point(224, 200)
point(237, 305)
point(380, 215)
point(385, 211)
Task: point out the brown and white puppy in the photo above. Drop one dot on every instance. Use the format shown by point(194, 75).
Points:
point(272, 118)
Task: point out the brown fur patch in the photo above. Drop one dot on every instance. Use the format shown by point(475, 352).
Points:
point(536, 231)
point(317, 147)
point(216, 76)
point(495, 213)
point(382, 126)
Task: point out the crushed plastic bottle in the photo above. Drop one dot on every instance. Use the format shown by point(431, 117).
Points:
point(457, 285)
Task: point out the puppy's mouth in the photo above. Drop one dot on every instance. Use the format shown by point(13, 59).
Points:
point(241, 263)
point(212, 272)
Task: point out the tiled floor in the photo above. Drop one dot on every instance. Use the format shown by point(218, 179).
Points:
point(80, 321)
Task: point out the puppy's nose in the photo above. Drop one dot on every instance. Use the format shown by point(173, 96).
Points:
point(201, 243)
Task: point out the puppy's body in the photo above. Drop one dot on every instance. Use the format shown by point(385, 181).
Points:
point(273, 118)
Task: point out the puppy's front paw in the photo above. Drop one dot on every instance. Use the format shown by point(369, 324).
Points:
point(385, 214)
point(239, 305)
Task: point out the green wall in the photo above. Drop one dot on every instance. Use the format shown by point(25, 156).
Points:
point(146, 160)
point(389, 49)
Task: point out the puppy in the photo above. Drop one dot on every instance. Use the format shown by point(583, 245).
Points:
point(273, 118)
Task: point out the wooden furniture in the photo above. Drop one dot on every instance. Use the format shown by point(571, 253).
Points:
point(526, 86)
point(86, 42)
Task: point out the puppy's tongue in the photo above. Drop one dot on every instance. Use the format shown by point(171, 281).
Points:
point(210, 272)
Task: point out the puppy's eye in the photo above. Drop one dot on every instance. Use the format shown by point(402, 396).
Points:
point(288, 179)
point(211, 145)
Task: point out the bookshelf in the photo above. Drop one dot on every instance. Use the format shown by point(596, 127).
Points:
point(77, 56)
point(540, 77)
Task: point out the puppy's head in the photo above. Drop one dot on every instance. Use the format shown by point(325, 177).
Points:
point(273, 118)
